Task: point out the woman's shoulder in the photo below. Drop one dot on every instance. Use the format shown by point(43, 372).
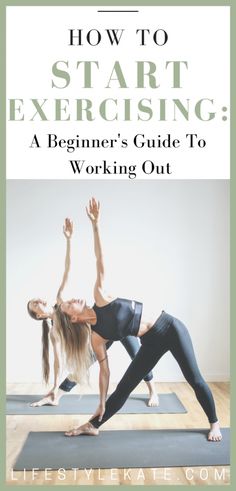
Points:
point(102, 298)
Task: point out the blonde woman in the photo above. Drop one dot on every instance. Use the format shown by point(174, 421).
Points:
point(71, 342)
point(112, 319)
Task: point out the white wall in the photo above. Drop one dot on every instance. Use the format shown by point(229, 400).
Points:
point(166, 244)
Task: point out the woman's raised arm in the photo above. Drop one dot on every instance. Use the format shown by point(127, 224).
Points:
point(93, 212)
point(67, 231)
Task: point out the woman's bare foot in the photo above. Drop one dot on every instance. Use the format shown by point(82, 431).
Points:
point(153, 396)
point(85, 429)
point(214, 434)
point(51, 399)
point(48, 400)
point(153, 400)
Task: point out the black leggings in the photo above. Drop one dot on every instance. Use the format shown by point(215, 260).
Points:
point(132, 346)
point(167, 334)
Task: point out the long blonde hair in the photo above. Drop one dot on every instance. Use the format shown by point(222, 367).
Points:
point(45, 343)
point(76, 346)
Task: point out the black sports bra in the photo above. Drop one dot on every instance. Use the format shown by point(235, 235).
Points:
point(118, 319)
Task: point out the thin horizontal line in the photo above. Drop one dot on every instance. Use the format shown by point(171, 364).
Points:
point(124, 11)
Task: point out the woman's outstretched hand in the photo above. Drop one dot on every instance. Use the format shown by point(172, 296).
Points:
point(93, 211)
point(99, 412)
point(68, 228)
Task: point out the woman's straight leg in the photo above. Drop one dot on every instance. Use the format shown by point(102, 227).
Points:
point(132, 346)
point(180, 345)
point(147, 357)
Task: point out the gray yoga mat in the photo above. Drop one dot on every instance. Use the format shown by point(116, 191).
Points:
point(87, 404)
point(123, 449)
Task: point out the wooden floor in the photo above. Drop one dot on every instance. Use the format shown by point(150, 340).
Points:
point(19, 426)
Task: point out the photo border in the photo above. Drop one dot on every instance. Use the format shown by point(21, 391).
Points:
point(50, 3)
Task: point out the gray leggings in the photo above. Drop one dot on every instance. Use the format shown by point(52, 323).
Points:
point(132, 346)
point(167, 334)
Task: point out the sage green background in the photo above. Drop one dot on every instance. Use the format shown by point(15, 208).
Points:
point(111, 3)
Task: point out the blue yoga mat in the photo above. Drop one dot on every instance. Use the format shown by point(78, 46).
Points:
point(86, 404)
point(123, 449)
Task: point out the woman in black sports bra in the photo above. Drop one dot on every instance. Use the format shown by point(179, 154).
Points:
point(50, 317)
point(113, 319)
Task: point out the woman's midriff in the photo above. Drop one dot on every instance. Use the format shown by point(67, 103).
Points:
point(145, 326)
